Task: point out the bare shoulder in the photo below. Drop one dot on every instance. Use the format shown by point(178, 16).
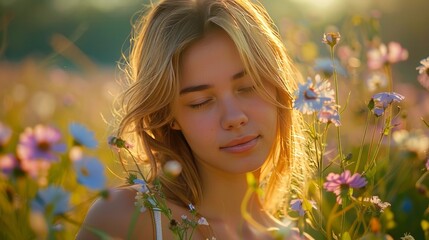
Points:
point(117, 217)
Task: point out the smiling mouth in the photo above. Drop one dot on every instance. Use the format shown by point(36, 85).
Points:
point(241, 145)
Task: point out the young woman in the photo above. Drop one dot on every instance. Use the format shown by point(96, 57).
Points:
point(210, 86)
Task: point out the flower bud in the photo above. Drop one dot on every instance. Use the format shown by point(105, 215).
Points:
point(331, 38)
point(172, 168)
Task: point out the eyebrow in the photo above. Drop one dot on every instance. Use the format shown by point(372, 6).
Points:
point(202, 87)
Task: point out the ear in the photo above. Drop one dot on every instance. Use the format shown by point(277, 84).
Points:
point(175, 125)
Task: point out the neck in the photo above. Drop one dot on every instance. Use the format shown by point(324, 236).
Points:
point(223, 197)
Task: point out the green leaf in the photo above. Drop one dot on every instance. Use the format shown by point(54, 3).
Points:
point(371, 104)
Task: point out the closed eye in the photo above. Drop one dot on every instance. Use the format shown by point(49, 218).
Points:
point(200, 104)
point(250, 89)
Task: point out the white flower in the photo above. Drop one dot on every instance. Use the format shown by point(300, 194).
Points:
point(414, 141)
point(407, 236)
point(376, 81)
point(191, 207)
point(202, 221)
point(377, 201)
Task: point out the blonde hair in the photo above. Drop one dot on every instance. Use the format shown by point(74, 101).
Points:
point(153, 66)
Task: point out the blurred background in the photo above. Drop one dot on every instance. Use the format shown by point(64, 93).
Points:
point(59, 58)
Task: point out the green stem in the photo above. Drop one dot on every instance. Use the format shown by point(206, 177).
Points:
point(388, 71)
point(337, 101)
point(137, 165)
point(362, 142)
point(374, 158)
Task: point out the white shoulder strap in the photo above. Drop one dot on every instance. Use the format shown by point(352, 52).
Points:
point(158, 224)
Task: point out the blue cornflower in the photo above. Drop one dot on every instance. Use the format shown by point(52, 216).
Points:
point(312, 96)
point(380, 101)
point(325, 66)
point(90, 173)
point(53, 198)
point(143, 185)
point(82, 136)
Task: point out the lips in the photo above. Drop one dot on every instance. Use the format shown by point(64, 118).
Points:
point(242, 144)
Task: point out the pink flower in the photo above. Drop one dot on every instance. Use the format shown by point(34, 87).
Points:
point(393, 53)
point(37, 148)
point(329, 114)
point(423, 77)
point(7, 164)
point(340, 183)
point(427, 164)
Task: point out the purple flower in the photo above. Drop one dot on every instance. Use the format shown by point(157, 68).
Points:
point(381, 56)
point(312, 97)
point(5, 134)
point(82, 136)
point(52, 198)
point(329, 114)
point(296, 205)
point(423, 77)
point(202, 221)
point(340, 183)
point(380, 101)
point(37, 148)
point(90, 173)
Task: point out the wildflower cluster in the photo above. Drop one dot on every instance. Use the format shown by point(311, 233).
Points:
point(40, 179)
point(357, 211)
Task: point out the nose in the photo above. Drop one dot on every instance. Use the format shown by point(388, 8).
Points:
point(233, 116)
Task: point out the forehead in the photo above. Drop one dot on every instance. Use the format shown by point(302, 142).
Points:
point(215, 56)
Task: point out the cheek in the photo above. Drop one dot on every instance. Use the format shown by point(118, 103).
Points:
point(199, 131)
